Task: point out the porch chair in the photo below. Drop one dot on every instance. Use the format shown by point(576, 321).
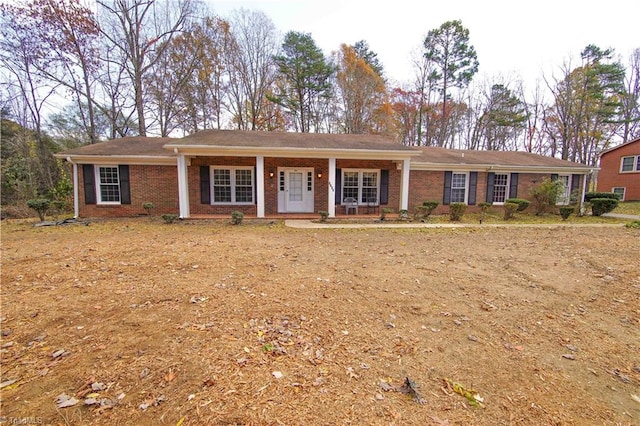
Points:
point(350, 203)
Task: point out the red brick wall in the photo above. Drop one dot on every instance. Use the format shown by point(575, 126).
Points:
point(321, 189)
point(148, 184)
point(159, 185)
point(429, 186)
point(609, 175)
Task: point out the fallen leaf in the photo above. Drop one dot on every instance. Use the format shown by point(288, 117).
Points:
point(63, 400)
point(7, 383)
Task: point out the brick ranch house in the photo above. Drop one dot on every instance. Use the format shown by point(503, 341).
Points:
point(620, 171)
point(280, 174)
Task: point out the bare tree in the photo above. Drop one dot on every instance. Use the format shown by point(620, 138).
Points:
point(140, 30)
point(630, 109)
point(251, 67)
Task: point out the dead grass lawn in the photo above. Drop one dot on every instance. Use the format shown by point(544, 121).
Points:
point(258, 324)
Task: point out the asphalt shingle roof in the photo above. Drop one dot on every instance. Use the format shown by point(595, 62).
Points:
point(160, 147)
point(437, 155)
point(243, 138)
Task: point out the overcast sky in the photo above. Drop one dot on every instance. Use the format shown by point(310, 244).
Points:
point(525, 39)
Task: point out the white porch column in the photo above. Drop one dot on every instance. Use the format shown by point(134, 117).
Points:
point(76, 202)
point(260, 186)
point(332, 188)
point(404, 185)
point(183, 187)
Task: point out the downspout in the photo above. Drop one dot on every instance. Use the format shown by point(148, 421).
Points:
point(76, 203)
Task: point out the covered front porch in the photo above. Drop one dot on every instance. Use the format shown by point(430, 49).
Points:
point(264, 186)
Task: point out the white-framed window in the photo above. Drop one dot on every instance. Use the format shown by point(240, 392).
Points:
point(108, 184)
point(459, 187)
point(500, 188)
point(619, 191)
point(232, 185)
point(361, 184)
point(630, 164)
point(565, 196)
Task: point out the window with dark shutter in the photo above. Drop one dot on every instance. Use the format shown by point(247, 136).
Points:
point(446, 196)
point(205, 185)
point(490, 180)
point(473, 183)
point(88, 177)
point(513, 186)
point(125, 189)
point(338, 199)
point(384, 187)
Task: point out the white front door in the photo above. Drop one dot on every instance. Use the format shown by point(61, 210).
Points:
point(295, 194)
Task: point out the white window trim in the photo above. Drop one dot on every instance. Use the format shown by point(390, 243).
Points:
point(466, 188)
point(624, 191)
point(232, 174)
point(635, 167)
point(507, 189)
point(360, 179)
point(98, 184)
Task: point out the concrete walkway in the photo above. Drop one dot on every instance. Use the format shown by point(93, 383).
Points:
point(308, 224)
point(622, 216)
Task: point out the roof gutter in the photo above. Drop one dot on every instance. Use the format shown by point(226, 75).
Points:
point(155, 160)
point(415, 165)
point(231, 151)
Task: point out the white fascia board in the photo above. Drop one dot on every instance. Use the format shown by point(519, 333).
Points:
point(134, 160)
point(236, 151)
point(500, 168)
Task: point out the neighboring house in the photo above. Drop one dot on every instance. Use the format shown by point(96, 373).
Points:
point(216, 172)
point(620, 171)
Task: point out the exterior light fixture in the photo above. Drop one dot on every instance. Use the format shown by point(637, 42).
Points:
point(271, 174)
point(319, 175)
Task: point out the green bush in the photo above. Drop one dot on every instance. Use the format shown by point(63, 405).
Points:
point(430, 205)
point(566, 211)
point(456, 211)
point(591, 195)
point(633, 224)
point(236, 217)
point(522, 203)
point(600, 206)
point(484, 207)
point(323, 215)
point(384, 212)
point(510, 209)
point(148, 207)
point(169, 217)
point(545, 196)
point(40, 205)
point(422, 212)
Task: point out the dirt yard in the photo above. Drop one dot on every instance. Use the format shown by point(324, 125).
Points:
point(138, 322)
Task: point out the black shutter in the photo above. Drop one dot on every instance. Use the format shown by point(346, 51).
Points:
point(491, 178)
point(575, 183)
point(384, 186)
point(88, 179)
point(338, 186)
point(205, 189)
point(446, 196)
point(513, 186)
point(125, 188)
point(473, 187)
point(255, 185)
